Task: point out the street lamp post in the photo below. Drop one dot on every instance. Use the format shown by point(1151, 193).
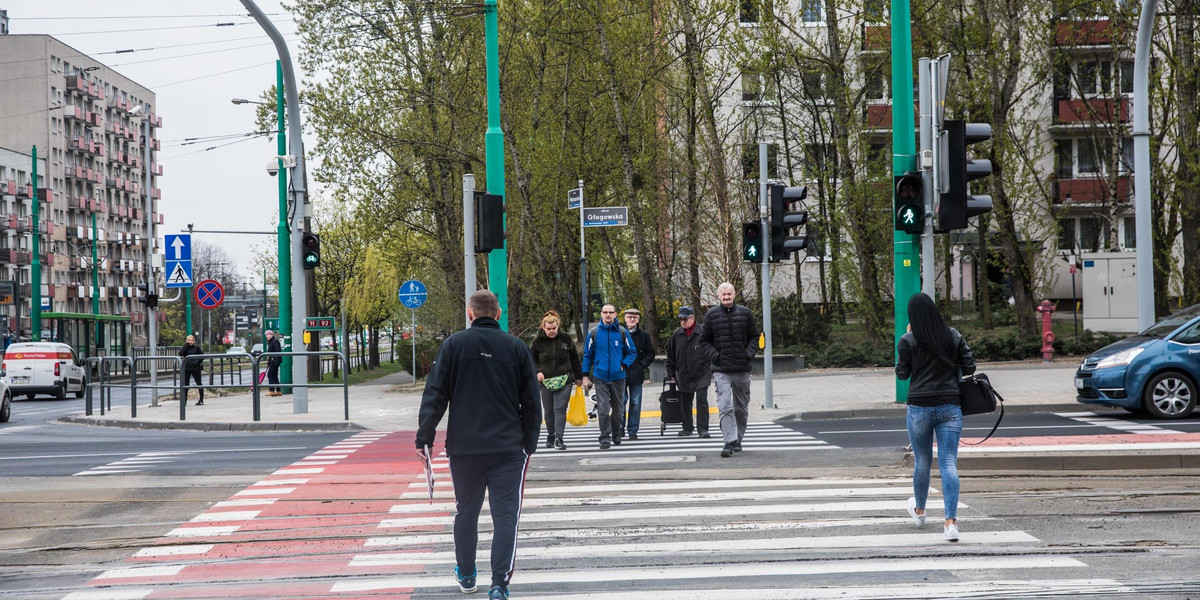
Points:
point(151, 313)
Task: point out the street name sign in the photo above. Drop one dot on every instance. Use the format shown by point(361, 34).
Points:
point(606, 216)
point(574, 198)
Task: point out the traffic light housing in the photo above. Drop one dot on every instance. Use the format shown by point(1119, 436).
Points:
point(957, 204)
point(310, 250)
point(143, 293)
point(152, 300)
point(910, 202)
point(489, 222)
point(752, 241)
point(783, 219)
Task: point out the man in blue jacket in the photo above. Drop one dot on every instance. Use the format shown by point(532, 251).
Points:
point(487, 380)
point(607, 353)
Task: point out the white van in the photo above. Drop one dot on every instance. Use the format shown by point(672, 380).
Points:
point(33, 368)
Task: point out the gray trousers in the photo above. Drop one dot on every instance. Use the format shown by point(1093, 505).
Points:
point(610, 407)
point(733, 402)
point(554, 409)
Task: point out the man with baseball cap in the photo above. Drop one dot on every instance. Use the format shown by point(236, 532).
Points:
point(691, 369)
point(636, 375)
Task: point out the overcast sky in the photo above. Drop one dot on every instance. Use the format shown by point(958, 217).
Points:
point(195, 68)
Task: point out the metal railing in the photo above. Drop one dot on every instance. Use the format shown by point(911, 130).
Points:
point(224, 371)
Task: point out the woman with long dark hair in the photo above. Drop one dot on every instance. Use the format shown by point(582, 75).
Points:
point(934, 356)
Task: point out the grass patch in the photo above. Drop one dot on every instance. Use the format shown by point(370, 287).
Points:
point(356, 377)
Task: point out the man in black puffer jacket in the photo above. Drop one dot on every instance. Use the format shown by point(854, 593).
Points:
point(730, 339)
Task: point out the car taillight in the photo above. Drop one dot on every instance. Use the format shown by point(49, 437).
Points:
point(57, 369)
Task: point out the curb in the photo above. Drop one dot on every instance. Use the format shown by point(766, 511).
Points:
point(868, 413)
point(1071, 462)
point(210, 426)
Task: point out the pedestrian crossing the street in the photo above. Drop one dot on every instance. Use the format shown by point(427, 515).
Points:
point(355, 521)
point(759, 437)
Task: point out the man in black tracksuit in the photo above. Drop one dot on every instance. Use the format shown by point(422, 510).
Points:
point(487, 379)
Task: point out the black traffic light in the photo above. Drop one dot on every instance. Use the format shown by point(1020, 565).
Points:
point(752, 241)
point(910, 202)
point(143, 293)
point(152, 300)
point(489, 222)
point(783, 219)
point(957, 204)
point(310, 250)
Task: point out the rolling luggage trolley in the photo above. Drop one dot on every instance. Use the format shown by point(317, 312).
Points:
point(669, 407)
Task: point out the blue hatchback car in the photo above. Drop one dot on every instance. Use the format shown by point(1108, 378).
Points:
point(1154, 371)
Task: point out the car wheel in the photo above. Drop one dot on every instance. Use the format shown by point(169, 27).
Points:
point(79, 394)
point(1169, 395)
point(61, 392)
point(5, 408)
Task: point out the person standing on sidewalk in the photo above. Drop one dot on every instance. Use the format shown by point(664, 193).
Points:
point(486, 378)
point(557, 362)
point(691, 370)
point(730, 339)
point(273, 363)
point(636, 375)
point(192, 368)
point(934, 357)
point(607, 354)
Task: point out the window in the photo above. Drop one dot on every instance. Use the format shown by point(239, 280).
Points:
point(875, 10)
point(1064, 160)
point(757, 86)
point(1126, 77)
point(1066, 234)
point(1093, 155)
point(1191, 335)
point(1129, 226)
point(1093, 234)
point(810, 11)
point(817, 159)
point(748, 11)
point(813, 82)
point(1085, 78)
point(875, 80)
point(750, 160)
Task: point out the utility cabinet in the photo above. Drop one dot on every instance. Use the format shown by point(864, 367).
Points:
point(1110, 291)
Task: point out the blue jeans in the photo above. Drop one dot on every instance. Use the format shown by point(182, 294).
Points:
point(944, 421)
point(633, 415)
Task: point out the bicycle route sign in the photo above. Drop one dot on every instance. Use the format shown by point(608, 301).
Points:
point(412, 294)
point(209, 294)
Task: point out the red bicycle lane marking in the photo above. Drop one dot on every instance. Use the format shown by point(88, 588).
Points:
point(286, 527)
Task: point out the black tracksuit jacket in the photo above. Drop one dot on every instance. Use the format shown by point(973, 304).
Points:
point(486, 378)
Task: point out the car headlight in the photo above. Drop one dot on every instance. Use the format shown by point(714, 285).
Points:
point(1120, 359)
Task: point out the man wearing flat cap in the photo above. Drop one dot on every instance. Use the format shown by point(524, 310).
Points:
point(691, 369)
point(637, 371)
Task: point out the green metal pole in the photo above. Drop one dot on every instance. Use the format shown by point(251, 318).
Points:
point(95, 282)
point(283, 238)
point(907, 261)
point(494, 144)
point(36, 293)
point(188, 311)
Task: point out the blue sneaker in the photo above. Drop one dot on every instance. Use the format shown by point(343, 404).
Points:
point(466, 583)
point(497, 593)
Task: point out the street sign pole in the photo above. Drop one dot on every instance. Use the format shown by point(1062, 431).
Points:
point(494, 155)
point(413, 337)
point(583, 289)
point(412, 295)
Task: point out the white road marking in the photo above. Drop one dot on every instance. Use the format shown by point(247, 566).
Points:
point(155, 571)
point(232, 515)
point(203, 531)
point(937, 591)
point(121, 594)
point(181, 550)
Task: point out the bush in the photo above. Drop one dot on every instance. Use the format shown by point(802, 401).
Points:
point(1087, 343)
point(845, 355)
point(1003, 345)
point(793, 322)
point(426, 352)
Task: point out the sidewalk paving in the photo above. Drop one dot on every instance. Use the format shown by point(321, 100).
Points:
point(391, 403)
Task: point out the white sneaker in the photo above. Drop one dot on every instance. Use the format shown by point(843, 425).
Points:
point(951, 533)
point(912, 512)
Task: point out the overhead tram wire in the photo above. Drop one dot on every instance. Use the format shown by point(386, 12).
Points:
point(156, 87)
point(144, 29)
point(133, 50)
point(238, 141)
point(148, 60)
point(92, 18)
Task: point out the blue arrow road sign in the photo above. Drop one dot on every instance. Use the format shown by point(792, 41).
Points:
point(412, 294)
point(178, 246)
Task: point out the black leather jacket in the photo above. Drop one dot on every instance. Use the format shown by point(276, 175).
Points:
point(191, 364)
point(930, 375)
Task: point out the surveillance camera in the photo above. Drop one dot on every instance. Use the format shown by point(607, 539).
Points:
point(272, 167)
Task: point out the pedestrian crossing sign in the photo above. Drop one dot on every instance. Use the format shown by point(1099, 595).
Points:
point(179, 273)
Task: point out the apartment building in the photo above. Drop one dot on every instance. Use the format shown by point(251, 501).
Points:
point(93, 129)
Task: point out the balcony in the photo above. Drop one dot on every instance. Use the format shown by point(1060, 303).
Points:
point(74, 112)
point(157, 194)
point(878, 116)
point(19, 224)
point(1094, 110)
point(76, 172)
point(119, 104)
point(156, 168)
point(1087, 32)
point(1092, 190)
point(22, 257)
point(8, 188)
point(76, 83)
point(877, 38)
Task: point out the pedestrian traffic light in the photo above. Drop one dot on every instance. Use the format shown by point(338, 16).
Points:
point(152, 300)
point(910, 202)
point(143, 293)
point(310, 250)
point(956, 203)
point(489, 222)
point(752, 246)
point(783, 219)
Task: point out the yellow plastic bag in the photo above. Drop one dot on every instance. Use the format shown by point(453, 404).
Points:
point(576, 409)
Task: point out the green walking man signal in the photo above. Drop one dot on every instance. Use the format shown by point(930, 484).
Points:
point(752, 246)
point(910, 203)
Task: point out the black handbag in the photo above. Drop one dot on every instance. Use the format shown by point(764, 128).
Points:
point(977, 396)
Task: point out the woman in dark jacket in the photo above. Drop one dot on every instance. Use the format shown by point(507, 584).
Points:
point(557, 361)
point(273, 363)
point(191, 367)
point(934, 357)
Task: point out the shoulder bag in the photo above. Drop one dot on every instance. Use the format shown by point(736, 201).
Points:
point(977, 396)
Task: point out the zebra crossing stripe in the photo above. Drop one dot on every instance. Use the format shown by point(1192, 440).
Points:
point(709, 546)
point(936, 591)
point(701, 497)
point(725, 571)
point(1092, 418)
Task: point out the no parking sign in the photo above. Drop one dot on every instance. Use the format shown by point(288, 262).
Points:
point(209, 294)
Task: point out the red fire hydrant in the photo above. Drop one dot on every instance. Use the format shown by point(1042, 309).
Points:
point(1047, 309)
